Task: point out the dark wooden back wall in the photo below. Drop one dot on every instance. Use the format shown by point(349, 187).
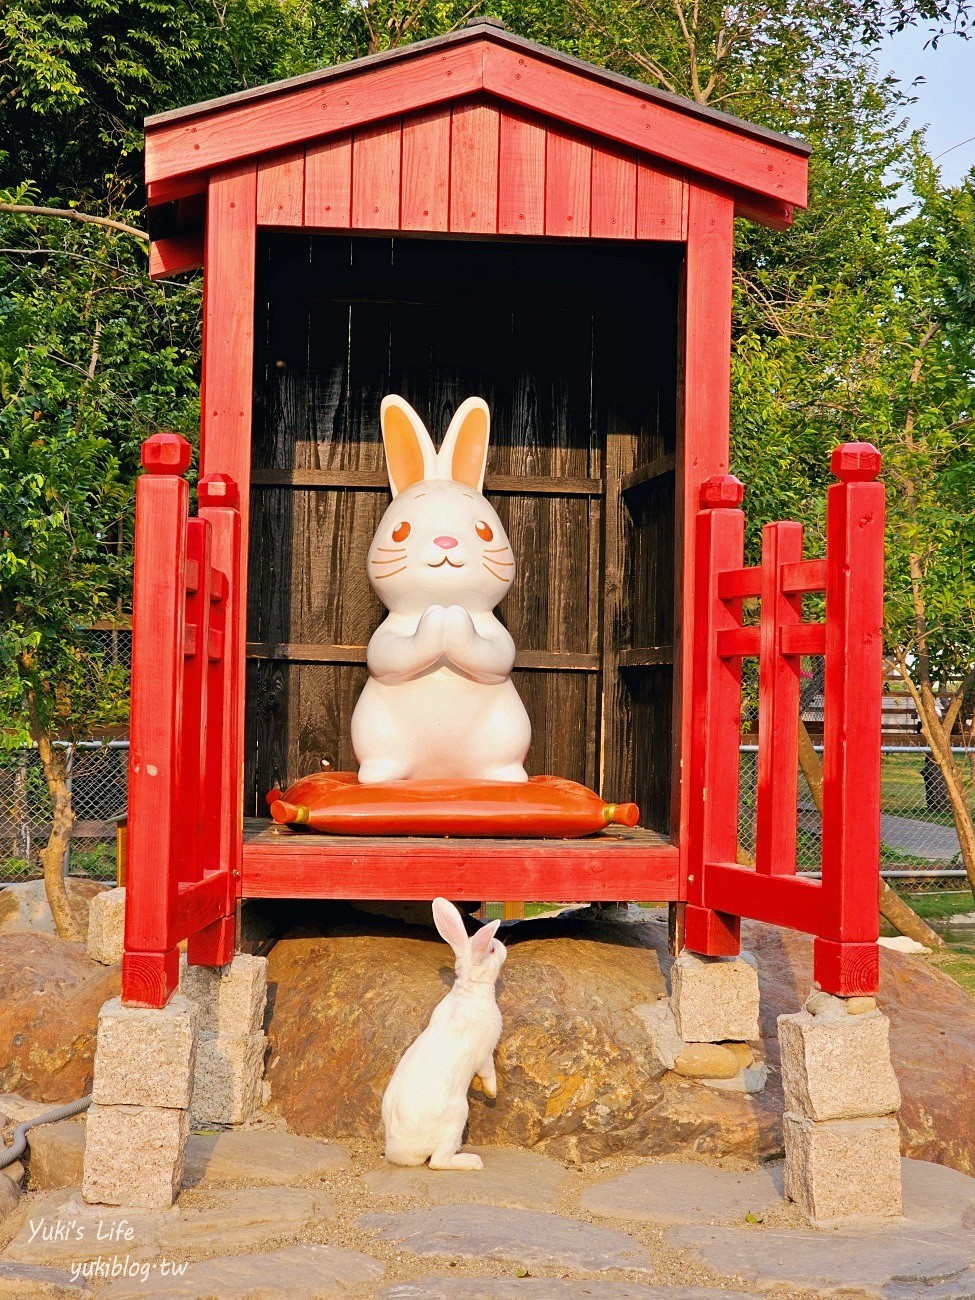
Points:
point(573, 348)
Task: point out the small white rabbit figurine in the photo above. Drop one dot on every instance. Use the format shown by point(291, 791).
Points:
point(439, 701)
point(425, 1105)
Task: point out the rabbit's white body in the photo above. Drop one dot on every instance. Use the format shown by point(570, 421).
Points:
point(439, 701)
point(425, 1106)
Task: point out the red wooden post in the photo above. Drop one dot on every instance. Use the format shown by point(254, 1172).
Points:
point(778, 707)
point(712, 781)
point(150, 964)
point(225, 454)
point(703, 419)
point(223, 810)
point(193, 719)
point(846, 956)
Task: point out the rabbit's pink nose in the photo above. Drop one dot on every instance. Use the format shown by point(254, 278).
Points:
point(446, 542)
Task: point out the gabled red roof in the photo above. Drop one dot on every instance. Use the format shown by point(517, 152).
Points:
point(182, 146)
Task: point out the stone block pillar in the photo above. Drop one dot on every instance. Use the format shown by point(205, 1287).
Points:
point(842, 1144)
point(713, 1019)
point(106, 926)
point(139, 1122)
point(231, 1000)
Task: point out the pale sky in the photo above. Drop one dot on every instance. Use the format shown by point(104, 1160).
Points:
point(946, 98)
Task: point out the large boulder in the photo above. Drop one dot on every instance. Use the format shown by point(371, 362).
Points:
point(577, 1073)
point(24, 906)
point(50, 995)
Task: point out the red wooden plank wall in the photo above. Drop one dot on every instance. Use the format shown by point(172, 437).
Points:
point(473, 168)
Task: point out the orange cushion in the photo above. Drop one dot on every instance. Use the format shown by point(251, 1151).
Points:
point(546, 807)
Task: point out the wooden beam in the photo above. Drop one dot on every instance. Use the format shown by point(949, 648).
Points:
point(327, 653)
point(648, 126)
point(362, 97)
point(365, 480)
point(646, 656)
point(765, 211)
point(177, 253)
point(704, 415)
point(646, 473)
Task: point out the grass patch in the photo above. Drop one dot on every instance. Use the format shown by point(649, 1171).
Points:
point(940, 905)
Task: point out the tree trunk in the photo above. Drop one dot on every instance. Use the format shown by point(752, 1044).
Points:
point(893, 908)
point(903, 917)
point(940, 744)
point(54, 852)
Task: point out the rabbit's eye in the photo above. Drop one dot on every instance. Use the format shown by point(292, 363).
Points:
point(401, 532)
point(484, 531)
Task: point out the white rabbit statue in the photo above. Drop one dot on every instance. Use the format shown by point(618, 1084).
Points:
point(425, 1105)
point(439, 701)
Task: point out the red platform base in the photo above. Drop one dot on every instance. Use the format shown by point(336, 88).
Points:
point(620, 863)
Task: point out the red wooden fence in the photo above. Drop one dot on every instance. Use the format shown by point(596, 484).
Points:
point(184, 795)
point(185, 778)
point(841, 909)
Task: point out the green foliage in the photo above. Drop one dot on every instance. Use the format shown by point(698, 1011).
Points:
point(881, 351)
point(93, 358)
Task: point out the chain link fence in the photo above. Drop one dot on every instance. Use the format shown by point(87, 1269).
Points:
point(98, 773)
point(918, 836)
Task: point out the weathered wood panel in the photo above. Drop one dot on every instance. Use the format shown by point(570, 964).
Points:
point(559, 342)
point(281, 189)
point(477, 169)
point(474, 137)
point(426, 171)
point(377, 154)
point(521, 175)
point(568, 185)
point(328, 182)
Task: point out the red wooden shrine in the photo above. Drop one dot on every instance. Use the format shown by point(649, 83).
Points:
point(485, 139)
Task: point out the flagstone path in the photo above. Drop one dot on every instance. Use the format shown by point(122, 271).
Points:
point(523, 1228)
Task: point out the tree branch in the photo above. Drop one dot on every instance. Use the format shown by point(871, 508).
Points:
point(69, 214)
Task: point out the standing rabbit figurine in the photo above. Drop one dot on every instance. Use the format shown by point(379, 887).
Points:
point(425, 1105)
point(439, 701)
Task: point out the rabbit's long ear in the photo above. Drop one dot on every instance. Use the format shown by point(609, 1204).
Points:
point(463, 456)
point(410, 455)
point(482, 940)
point(450, 924)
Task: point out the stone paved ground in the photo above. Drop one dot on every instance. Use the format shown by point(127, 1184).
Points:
point(525, 1228)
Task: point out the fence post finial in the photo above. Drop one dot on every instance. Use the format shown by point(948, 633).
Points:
point(855, 462)
point(722, 491)
point(217, 490)
point(166, 453)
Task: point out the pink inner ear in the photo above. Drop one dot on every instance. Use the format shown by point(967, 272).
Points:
point(482, 940)
point(450, 924)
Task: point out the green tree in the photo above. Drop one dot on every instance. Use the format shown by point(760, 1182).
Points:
point(882, 349)
point(92, 359)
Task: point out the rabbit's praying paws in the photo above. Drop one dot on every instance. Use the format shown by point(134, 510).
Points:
point(431, 631)
point(460, 633)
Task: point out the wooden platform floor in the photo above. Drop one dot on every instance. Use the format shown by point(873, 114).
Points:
point(618, 863)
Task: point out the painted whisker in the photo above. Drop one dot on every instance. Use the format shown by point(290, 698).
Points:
point(391, 573)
